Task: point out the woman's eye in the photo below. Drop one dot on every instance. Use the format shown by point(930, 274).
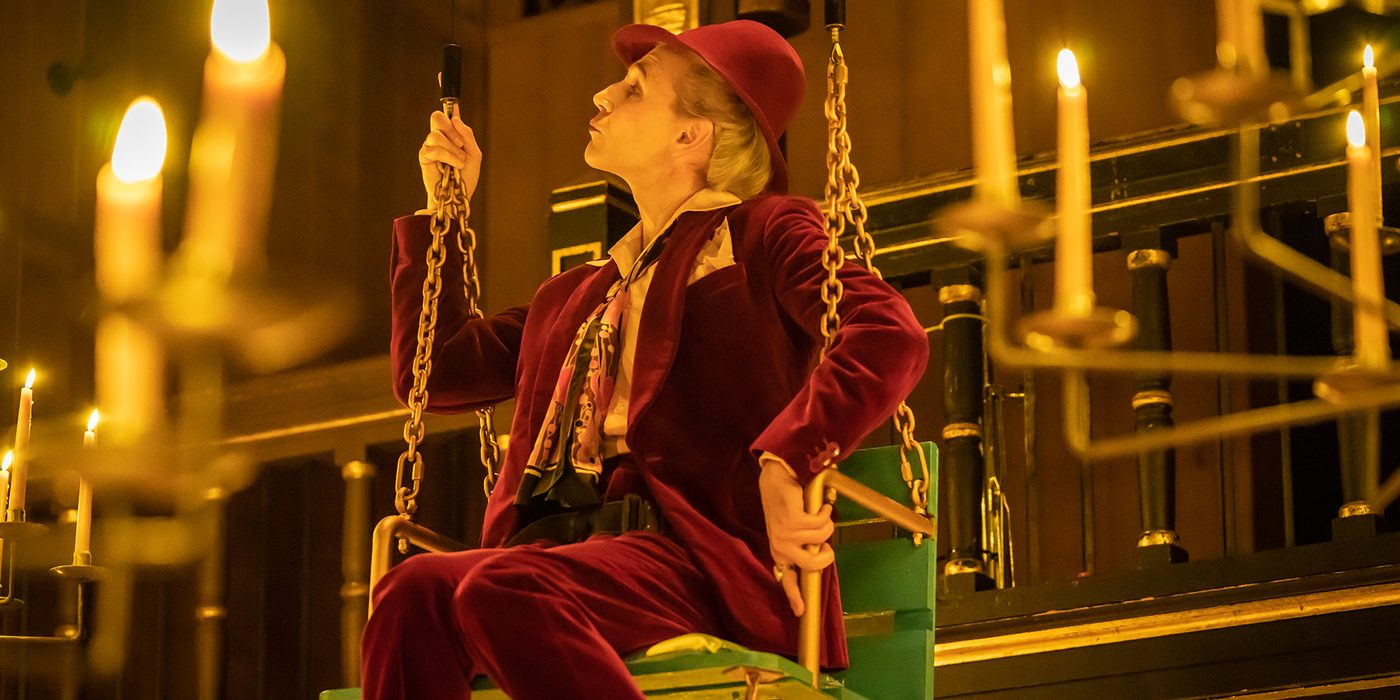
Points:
point(632, 89)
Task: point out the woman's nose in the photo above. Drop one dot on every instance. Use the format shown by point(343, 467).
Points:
point(601, 101)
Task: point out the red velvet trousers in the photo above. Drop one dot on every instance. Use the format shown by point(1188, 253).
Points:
point(543, 622)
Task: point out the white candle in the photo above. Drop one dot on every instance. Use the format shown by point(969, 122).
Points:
point(19, 470)
point(234, 151)
point(126, 241)
point(82, 538)
point(1371, 112)
point(1074, 272)
point(5, 483)
point(127, 253)
point(1251, 37)
point(1371, 334)
point(993, 139)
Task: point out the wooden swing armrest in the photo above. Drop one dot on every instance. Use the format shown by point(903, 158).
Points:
point(393, 528)
point(809, 634)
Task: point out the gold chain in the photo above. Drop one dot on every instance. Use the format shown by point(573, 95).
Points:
point(844, 206)
point(453, 205)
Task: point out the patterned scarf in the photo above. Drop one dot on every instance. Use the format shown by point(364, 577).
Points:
point(566, 464)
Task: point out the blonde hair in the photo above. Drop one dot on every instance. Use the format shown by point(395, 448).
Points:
point(740, 162)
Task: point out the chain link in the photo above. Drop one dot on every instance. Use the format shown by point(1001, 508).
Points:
point(844, 207)
point(453, 205)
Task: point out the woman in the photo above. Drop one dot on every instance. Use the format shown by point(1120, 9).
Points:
point(679, 373)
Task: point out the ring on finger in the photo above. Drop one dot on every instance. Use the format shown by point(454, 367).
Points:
point(779, 570)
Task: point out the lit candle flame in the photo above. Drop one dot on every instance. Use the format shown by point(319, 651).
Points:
point(29, 380)
point(241, 29)
point(1368, 57)
point(140, 150)
point(1068, 69)
point(1356, 130)
point(92, 420)
point(9, 459)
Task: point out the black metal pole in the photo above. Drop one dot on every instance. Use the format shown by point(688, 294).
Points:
point(1150, 255)
point(961, 464)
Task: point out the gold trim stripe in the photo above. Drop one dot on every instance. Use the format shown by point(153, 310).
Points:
point(1165, 624)
point(556, 256)
point(572, 204)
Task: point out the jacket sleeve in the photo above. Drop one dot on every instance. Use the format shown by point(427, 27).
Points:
point(474, 359)
point(879, 353)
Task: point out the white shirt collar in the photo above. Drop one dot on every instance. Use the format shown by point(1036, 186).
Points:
point(629, 248)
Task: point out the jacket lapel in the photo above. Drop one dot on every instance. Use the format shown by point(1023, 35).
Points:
point(583, 301)
point(660, 327)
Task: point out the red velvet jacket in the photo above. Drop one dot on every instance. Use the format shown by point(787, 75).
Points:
point(724, 371)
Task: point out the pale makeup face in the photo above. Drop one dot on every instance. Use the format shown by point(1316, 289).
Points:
point(636, 132)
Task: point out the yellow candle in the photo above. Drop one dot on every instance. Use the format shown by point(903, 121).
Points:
point(1251, 37)
point(127, 250)
point(1371, 113)
point(234, 151)
point(20, 467)
point(126, 241)
point(5, 482)
point(1074, 272)
point(1371, 334)
point(82, 539)
point(993, 140)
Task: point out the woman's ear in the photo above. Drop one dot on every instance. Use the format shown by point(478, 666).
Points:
point(697, 135)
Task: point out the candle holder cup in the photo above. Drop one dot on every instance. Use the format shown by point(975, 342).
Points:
point(1338, 228)
point(1100, 327)
point(17, 528)
point(82, 573)
point(1232, 98)
point(1349, 378)
point(982, 225)
point(265, 326)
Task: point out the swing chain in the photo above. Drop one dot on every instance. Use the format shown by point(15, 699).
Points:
point(460, 207)
point(844, 206)
point(453, 205)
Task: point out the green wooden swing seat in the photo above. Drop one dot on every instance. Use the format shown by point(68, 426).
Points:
point(887, 592)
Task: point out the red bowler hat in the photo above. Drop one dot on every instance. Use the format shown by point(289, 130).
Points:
point(758, 63)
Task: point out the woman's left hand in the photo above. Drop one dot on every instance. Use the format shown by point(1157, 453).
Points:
point(791, 530)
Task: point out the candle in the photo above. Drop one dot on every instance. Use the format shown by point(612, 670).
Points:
point(993, 141)
point(20, 466)
point(234, 150)
point(5, 482)
point(1240, 32)
point(126, 241)
point(1371, 334)
point(1074, 272)
point(1250, 48)
point(1371, 112)
point(127, 254)
point(82, 539)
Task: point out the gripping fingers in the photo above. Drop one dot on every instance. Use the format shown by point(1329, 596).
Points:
point(442, 154)
point(815, 561)
point(439, 122)
point(794, 594)
point(804, 558)
point(465, 134)
point(815, 534)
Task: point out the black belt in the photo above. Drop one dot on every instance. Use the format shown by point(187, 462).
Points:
point(612, 518)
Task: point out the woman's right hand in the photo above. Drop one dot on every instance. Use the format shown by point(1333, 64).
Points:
point(451, 142)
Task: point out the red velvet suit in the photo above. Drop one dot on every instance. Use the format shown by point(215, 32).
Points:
point(724, 370)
